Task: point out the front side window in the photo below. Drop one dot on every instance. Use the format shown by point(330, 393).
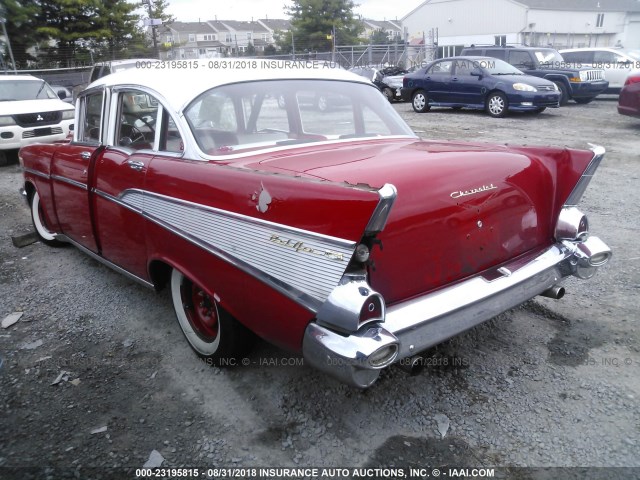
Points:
point(267, 114)
point(442, 68)
point(521, 60)
point(91, 118)
point(136, 119)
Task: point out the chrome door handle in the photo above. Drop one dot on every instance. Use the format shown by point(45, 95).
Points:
point(85, 155)
point(137, 166)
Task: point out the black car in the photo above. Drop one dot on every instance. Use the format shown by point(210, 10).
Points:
point(579, 84)
point(377, 78)
point(480, 83)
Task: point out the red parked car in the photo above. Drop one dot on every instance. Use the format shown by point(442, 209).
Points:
point(336, 233)
point(629, 101)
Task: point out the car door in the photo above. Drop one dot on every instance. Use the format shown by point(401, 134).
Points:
point(71, 169)
point(437, 81)
point(120, 170)
point(467, 89)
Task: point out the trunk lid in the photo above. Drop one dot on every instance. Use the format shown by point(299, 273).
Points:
point(461, 208)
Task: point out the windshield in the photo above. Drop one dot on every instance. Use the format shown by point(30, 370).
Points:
point(266, 114)
point(11, 90)
point(548, 58)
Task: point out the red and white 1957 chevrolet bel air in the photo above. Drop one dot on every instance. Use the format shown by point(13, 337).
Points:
point(295, 203)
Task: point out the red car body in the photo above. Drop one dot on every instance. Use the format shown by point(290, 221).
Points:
point(340, 235)
point(629, 100)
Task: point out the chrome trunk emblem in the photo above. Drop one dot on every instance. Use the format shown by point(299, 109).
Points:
point(464, 193)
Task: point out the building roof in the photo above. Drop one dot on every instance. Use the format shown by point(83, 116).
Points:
point(584, 5)
point(383, 24)
point(239, 26)
point(276, 24)
point(190, 27)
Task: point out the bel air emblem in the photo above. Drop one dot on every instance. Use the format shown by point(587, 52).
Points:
point(39, 118)
point(464, 193)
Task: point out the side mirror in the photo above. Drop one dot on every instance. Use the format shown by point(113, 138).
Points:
point(62, 94)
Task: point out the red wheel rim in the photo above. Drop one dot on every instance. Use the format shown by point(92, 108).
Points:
point(201, 310)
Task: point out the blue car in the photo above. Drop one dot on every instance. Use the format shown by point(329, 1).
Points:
point(480, 83)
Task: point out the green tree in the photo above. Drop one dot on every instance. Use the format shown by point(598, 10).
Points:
point(314, 21)
point(379, 37)
point(159, 10)
point(122, 36)
point(19, 19)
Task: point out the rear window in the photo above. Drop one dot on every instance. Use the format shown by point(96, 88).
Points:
point(265, 114)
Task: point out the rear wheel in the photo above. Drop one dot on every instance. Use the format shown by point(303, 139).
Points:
point(420, 101)
point(564, 93)
point(497, 104)
point(45, 234)
point(210, 330)
point(583, 101)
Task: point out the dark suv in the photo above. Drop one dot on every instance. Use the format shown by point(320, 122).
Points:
point(579, 84)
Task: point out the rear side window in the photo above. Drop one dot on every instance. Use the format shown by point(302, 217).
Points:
point(497, 53)
point(472, 52)
point(578, 57)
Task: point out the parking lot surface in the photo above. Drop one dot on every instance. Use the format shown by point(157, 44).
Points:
point(96, 372)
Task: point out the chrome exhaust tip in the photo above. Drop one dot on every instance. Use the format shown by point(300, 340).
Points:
point(593, 252)
point(556, 292)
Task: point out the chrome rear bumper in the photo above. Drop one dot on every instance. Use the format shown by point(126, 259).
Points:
point(420, 323)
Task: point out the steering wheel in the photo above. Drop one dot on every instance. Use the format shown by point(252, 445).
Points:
point(142, 119)
point(133, 135)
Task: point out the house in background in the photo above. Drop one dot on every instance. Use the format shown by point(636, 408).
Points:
point(215, 38)
point(393, 29)
point(561, 24)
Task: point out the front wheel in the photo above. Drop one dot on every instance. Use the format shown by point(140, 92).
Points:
point(388, 93)
point(420, 102)
point(497, 105)
point(45, 234)
point(210, 330)
point(564, 93)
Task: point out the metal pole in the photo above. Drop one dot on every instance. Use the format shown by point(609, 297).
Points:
point(6, 35)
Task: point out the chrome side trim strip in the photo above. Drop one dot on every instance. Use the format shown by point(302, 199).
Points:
point(37, 173)
point(303, 265)
point(66, 180)
point(583, 183)
point(113, 199)
point(104, 261)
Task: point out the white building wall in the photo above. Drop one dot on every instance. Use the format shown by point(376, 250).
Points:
point(458, 18)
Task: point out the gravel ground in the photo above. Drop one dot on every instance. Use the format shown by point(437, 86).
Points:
point(548, 384)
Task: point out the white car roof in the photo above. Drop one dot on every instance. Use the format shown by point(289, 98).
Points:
point(180, 85)
point(18, 77)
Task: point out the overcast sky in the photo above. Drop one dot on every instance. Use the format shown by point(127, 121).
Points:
point(194, 10)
